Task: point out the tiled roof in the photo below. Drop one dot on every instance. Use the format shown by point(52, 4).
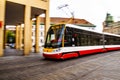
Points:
point(58, 20)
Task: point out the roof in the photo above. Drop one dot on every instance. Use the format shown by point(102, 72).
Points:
point(75, 21)
point(82, 28)
point(14, 13)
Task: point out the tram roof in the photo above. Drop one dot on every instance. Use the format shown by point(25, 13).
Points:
point(82, 28)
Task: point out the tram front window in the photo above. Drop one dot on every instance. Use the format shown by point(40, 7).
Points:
point(54, 37)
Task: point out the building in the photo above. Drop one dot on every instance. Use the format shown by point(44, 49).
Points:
point(18, 12)
point(110, 26)
point(113, 28)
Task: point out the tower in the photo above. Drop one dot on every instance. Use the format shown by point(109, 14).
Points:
point(109, 20)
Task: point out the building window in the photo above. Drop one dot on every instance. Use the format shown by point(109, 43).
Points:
point(41, 41)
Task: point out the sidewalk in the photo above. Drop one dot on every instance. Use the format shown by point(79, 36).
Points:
point(15, 52)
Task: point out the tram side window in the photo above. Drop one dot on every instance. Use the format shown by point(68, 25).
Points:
point(76, 36)
point(112, 40)
point(87, 39)
point(93, 39)
point(68, 37)
point(117, 41)
point(109, 40)
point(78, 41)
point(83, 39)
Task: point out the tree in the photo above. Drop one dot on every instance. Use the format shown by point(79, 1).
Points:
point(10, 36)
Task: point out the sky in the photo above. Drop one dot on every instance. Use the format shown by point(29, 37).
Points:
point(93, 11)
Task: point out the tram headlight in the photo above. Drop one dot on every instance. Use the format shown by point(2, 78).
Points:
point(57, 50)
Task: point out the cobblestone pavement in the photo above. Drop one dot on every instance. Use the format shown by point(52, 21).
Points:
point(102, 66)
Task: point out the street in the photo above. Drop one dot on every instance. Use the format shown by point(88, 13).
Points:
point(101, 66)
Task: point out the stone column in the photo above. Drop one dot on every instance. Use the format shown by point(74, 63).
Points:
point(17, 37)
point(2, 21)
point(37, 30)
point(47, 23)
point(5, 37)
point(31, 23)
point(27, 17)
point(20, 37)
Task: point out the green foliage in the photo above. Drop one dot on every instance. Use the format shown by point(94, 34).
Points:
point(10, 36)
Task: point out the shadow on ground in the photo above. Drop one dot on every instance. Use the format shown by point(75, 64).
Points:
point(13, 52)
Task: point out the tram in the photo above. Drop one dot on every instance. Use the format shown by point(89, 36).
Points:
point(65, 41)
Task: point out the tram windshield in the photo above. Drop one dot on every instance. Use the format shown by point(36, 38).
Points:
point(54, 36)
